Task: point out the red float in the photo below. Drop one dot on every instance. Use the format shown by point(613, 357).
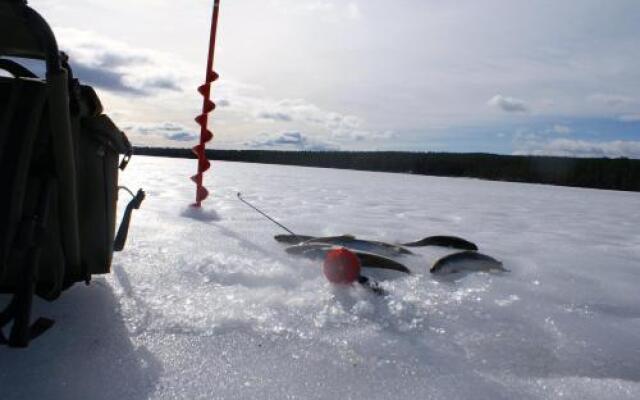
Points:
point(341, 266)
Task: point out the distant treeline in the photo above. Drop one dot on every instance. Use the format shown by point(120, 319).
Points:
point(601, 173)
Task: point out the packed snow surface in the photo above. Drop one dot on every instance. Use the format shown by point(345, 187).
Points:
point(204, 304)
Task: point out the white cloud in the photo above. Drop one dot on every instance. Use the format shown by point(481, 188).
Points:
point(611, 100)
point(275, 116)
point(117, 67)
point(122, 71)
point(581, 148)
point(353, 11)
point(508, 104)
point(303, 115)
point(329, 10)
point(289, 141)
point(367, 67)
point(561, 129)
point(630, 118)
point(168, 133)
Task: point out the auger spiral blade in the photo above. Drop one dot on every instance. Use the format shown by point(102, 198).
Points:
point(207, 107)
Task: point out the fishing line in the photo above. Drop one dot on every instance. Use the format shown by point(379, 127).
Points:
point(265, 215)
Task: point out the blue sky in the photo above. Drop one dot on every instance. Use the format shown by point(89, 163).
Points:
point(505, 76)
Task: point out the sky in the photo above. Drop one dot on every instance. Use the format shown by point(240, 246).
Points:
point(555, 77)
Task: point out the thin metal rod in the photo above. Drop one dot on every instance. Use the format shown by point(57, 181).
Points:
point(265, 215)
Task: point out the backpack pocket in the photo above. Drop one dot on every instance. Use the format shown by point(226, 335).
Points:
point(100, 144)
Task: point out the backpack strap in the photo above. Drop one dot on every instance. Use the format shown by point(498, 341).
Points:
point(65, 165)
point(7, 115)
point(123, 230)
point(19, 160)
point(27, 255)
point(15, 69)
point(28, 206)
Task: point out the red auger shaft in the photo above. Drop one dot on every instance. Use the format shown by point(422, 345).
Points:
point(207, 107)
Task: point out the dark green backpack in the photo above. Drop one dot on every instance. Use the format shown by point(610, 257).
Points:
point(59, 161)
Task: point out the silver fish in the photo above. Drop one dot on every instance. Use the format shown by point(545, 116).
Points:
point(368, 260)
point(350, 242)
point(466, 261)
point(453, 242)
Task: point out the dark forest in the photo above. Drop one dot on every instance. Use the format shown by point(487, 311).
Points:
point(600, 173)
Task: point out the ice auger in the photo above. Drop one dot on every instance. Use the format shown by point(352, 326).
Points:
point(207, 107)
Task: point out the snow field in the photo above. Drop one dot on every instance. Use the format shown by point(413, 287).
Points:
point(205, 304)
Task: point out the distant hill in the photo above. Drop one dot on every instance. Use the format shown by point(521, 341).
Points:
point(600, 173)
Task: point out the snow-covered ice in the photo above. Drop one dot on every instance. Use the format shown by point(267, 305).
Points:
point(204, 304)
